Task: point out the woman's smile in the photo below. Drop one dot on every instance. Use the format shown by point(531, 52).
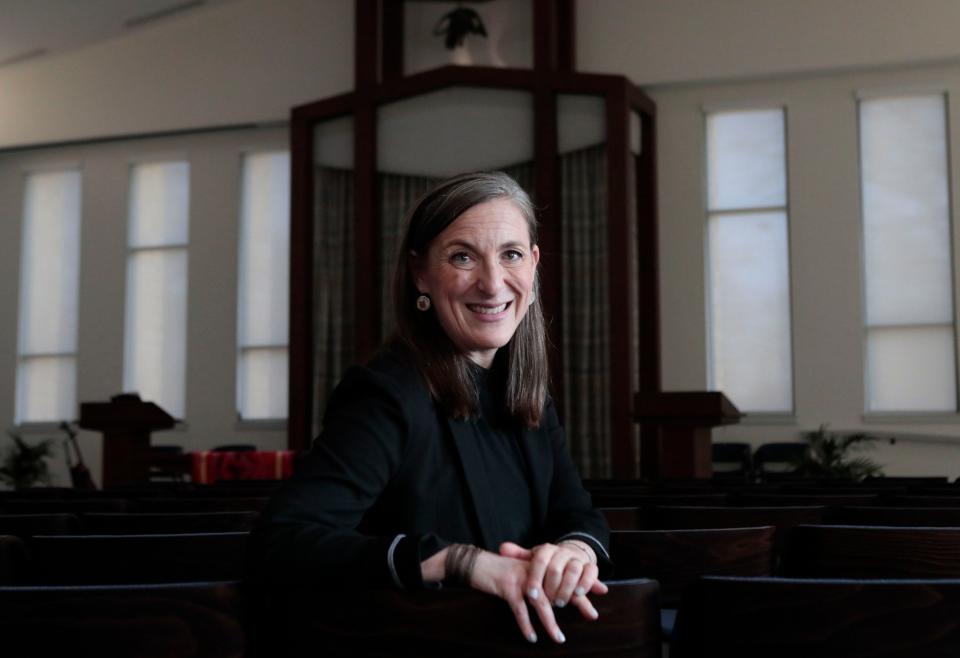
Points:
point(490, 312)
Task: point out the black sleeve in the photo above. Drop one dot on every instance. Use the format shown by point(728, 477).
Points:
point(308, 532)
point(571, 513)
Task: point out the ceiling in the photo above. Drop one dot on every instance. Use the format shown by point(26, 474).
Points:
point(31, 29)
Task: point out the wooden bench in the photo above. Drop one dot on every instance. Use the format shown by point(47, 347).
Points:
point(898, 516)
point(676, 558)
point(835, 551)
point(454, 622)
point(166, 523)
point(128, 559)
point(27, 525)
point(624, 518)
point(788, 618)
point(196, 620)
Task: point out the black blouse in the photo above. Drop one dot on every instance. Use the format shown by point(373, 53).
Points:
point(505, 466)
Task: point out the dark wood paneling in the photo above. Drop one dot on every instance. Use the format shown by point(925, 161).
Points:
point(391, 27)
point(300, 371)
point(367, 43)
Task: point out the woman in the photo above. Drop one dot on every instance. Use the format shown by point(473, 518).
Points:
point(443, 459)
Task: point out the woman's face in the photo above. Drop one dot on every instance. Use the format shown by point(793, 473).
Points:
point(479, 274)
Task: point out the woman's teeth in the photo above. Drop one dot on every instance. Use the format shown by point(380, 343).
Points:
point(487, 310)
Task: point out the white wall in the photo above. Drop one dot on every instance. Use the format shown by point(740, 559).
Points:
point(243, 62)
point(668, 41)
point(249, 61)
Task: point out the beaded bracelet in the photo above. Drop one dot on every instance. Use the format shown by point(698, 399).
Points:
point(459, 563)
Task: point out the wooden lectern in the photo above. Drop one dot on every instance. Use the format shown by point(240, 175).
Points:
point(126, 422)
point(675, 441)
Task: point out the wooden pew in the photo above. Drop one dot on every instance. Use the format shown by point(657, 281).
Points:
point(788, 618)
point(624, 518)
point(676, 558)
point(824, 551)
point(52, 505)
point(14, 562)
point(898, 516)
point(912, 500)
point(783, 519)
point(196, 620)
point(128, 559)
point(160, 523)
point(201, 504)
point(627, 499)
point(27, 525)
point(452, 622)
point(801, 500)
point(675, 517)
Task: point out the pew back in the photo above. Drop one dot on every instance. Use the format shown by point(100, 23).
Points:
point(825, 551)
point(676, 558)
point(786, 618)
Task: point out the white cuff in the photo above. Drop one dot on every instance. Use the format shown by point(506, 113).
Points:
point(593, 541)
point(393, 569)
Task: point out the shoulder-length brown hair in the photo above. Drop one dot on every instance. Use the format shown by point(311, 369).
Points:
point(444, 367)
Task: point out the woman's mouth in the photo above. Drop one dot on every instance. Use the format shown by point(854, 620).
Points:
point(489, 309)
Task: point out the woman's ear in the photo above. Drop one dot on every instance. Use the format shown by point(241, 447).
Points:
point(535, 252)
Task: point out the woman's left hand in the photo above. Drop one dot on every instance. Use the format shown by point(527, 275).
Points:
point(562, 572)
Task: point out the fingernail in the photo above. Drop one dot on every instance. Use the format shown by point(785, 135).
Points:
point(559, 603)
point(560, 638)
point(594, 613)
point(532, 638)
point(579, 591)
point(533, 593)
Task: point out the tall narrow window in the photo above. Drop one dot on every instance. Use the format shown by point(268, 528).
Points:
point(910, 335)
point(748, 260)
point(49, 272)
point(264, 286)
point(154, 358)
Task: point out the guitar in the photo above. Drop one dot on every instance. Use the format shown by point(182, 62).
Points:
point(80, 476)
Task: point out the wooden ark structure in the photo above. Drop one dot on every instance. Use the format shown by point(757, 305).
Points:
point(583, 146)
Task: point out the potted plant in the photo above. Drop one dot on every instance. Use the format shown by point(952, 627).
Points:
point(25, 465)
point(828, 456)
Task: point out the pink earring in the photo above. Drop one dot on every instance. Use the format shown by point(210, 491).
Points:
point(423, 303)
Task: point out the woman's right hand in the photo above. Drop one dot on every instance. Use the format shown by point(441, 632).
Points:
point(507, 577)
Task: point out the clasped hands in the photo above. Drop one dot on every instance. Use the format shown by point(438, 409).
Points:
point(541, 577)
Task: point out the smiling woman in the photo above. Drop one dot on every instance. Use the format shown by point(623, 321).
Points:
point(479, 273)
point(442, 460)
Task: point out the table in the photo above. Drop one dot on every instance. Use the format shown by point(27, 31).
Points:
point(208, 466)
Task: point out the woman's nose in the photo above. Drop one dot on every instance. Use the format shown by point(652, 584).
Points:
point(490, 278)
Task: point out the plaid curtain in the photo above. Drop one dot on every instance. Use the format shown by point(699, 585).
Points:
point(586, 312)
point(332, 284)
point(398, 193)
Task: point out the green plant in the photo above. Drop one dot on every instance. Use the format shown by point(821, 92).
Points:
point(828, 455)
point(454, 26)
point(25, 465)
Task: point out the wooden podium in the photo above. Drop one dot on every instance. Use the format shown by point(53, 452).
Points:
point(126, 422)
point(675, 441)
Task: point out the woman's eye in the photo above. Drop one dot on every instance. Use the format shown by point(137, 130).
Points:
point(513, 256)
point(460, 258)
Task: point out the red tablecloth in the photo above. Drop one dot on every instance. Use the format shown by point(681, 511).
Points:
point(207, 466)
